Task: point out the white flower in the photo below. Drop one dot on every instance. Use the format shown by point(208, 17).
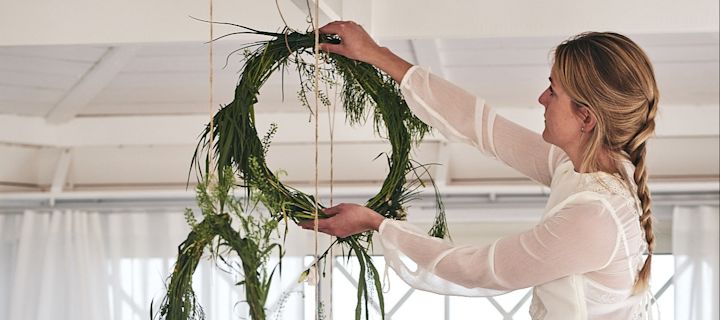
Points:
point(309, 276)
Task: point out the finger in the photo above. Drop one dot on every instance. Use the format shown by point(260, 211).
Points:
point(324, 223)
point(325, 231)
point(338, 27)
point(333, 27)
point(333, 210)
point(332, 48)
point(312, 228)
point(310, 224)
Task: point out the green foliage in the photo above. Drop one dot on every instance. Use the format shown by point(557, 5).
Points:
point(254, 242)
point(234, 142)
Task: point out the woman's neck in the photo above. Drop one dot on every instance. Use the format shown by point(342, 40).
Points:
point(605, 162)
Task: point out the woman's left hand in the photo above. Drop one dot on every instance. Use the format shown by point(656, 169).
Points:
point(346, 219)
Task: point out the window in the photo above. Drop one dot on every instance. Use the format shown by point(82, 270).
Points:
point(405, 303)
point(135, 281)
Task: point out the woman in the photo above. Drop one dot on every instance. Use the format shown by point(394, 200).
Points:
point(584, 259)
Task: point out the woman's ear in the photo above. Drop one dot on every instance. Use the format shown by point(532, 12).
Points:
point(588, 118)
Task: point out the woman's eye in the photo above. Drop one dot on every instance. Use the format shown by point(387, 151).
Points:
point(551, 91)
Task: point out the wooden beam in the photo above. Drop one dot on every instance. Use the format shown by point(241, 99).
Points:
point(99, 76)
point(293, 128)
point(61, 171)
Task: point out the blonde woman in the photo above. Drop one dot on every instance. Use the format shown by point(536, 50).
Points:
point(585, 258)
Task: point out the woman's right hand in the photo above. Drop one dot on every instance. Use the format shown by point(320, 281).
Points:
point(357, 44)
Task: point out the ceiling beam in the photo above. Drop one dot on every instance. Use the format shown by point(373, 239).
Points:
point(61, 171)
point(175, 130)
point(292, 128)
point(94, 80)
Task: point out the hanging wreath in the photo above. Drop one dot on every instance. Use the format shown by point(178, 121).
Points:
point(233, 140)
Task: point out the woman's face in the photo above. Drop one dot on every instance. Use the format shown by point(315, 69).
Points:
point(562, 119)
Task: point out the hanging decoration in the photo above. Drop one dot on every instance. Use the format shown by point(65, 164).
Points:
point(232, 141)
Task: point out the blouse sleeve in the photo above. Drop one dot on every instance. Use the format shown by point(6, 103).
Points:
point(461, 116)
point(579, 238)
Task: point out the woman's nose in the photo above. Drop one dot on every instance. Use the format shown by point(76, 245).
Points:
point(543, 98)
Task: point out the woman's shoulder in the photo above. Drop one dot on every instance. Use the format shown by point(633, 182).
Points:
point(607, 184)
point(598, 187)
point(601, 183)
point(614, 191)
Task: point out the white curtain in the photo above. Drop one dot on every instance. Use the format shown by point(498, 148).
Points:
point(59, 267)
point(71, 265)
point(141, 249)
point(696, 249)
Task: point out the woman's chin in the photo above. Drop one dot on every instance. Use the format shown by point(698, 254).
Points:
point(545, 136)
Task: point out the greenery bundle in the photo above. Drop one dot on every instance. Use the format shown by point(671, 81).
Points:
point(232, 139)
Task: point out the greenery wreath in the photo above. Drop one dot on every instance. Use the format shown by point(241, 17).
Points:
point(233, 139)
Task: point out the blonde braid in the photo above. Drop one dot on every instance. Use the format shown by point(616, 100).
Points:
point(637, 151)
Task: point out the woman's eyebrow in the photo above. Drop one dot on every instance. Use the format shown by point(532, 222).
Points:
point(551, 83)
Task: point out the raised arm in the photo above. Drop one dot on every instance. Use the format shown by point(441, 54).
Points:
point(462, 116)
point(457, 114)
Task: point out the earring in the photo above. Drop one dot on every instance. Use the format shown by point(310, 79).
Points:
point(582, 129)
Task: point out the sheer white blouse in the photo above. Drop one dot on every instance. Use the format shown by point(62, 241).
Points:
point(582, 258)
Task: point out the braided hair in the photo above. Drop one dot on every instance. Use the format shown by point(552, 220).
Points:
point(610, 75)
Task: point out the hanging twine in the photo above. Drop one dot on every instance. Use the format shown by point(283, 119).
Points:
point(316, 81)
point(210, 104)
point(331, 120)
point(287, 28)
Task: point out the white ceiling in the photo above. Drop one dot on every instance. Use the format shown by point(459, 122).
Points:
point(86, 115)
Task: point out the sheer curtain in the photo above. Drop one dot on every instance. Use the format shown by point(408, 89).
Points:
point(696, 249)
point(72, 265)
point(141, 248)
point(56, 266)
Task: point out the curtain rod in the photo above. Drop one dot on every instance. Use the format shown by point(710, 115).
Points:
point(501, 196)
